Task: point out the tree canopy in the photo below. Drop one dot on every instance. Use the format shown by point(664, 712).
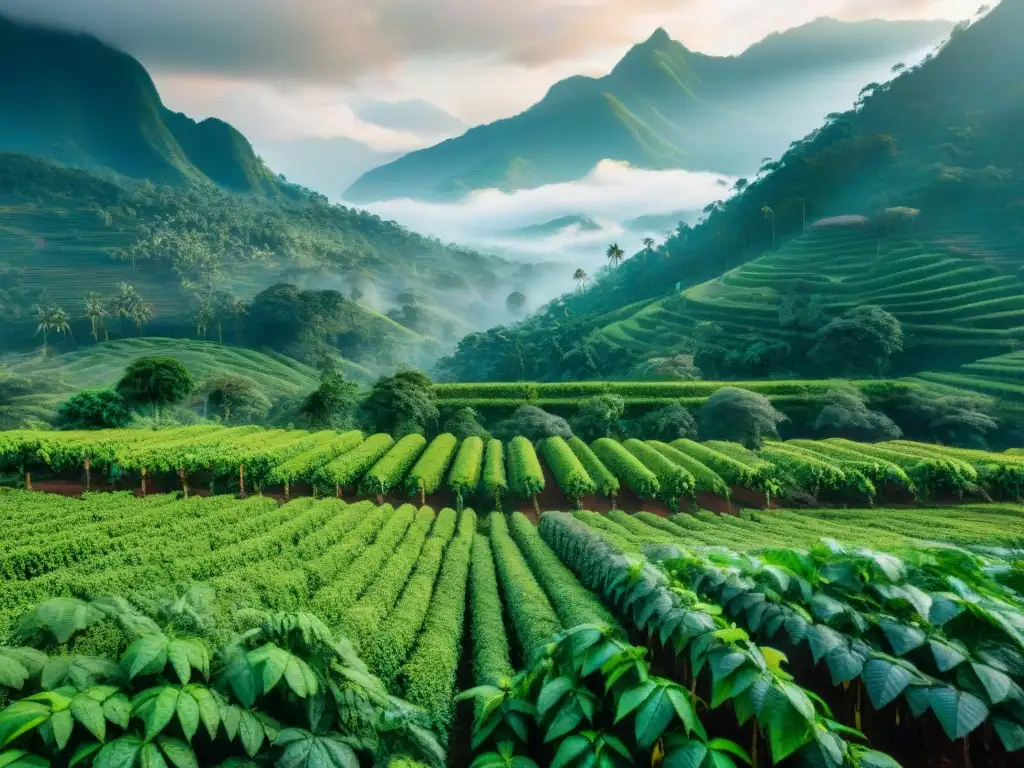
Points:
point(156, 382)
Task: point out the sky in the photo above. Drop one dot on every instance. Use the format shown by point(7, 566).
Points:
point(288, 69)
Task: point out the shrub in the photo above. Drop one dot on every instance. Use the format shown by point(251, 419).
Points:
point(464, 478)
point(599, 416)
point(605, 482)
point(531, 422)
point(569, 472)
point(738, 415)
point(525, 476)
point(94, 409)
point(494, 485)
point(627, 467)
point(491, 656)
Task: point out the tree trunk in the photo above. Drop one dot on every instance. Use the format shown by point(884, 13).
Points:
point(241, 481)
point(380, 499)
point(613, 501)
point(423, 496)
point(536, 506)
point(88, 474)
point(287, 491)
point(28, 481)
point(143, 486)
point(184, 481)
point(337, 491)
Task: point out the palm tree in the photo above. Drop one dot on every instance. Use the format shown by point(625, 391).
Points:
point(141, 314)
point(45, 317)
point(615, 254)
point(648, 244)
point(60, 321)
point(237, 308)
point(768, 212)
point(96, 312)
point(581, 278)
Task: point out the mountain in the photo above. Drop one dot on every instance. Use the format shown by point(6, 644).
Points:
point(328, 166)
point(71, 98)
point(926, 169)
point(663, 106)
point(548, 228)
point(412, 115)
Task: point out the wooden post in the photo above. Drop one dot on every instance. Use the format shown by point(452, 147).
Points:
point(143, 488)
point(380, 499)
point(613, 501)
point(184, 481)
point(241, 481)
point(28, 481)
point(536, 506)
point(337, 491)
point(287, 493)
point(423, 495)
point(88, 474)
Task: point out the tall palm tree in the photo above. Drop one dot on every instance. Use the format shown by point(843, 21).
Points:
point(237, 308)
point(142, 313)
point(96, 312)
point(648, 244)
point(45, 317)
point(615, 254)
point(769, 213)
point(581, 278)
point(60, 321)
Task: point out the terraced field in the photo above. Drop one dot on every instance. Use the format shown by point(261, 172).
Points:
point(946, 299)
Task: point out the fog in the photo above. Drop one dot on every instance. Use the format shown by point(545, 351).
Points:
point(609, 197)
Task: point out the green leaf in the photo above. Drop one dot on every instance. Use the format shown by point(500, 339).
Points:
point(118, 710)
point(902, 637)
point(654, 717)
point(884, 681)
point(83, 751)
point(60, 616)
point(177, 654)
point(691, 755)
point(145, 656)
point(958, 712)
point(156, 711)
point(251, 732)
point(799, 699)
point(844, 665)
point(19, 758)
point(300, 677)
point(240, 674)
point(13, 673)
point(62, 724)
point(787, 735)
point(188, 715)
point(1010, 733)
point(569, 750)
point(569, 716)
point(19, 718)
point(150, 757)
point(551, 693)
point(998, 686)
point(209, 712)
point(89, 713)
point(598, 656)
point(119, 753)
point(177, 752)
point(681, 703)
point(633, 698)
point(946, 656)
point(869, 758)
point(725, 745)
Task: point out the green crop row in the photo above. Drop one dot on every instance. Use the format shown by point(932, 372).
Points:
point(705, 479)
point(627, 467)
point(569, 472)
point(492, 658)
point(348, 468)
point(428, 473)
point(525, 476)
point(604, 481)
point(309, 463)
point(494, 485)
point(674, 482)
point(393, 465)
point(466, 469)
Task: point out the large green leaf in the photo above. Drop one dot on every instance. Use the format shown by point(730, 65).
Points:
point(998, 686)
point(151, 757)
point(84, 751)
point(19, 664)
point(958, 712)
point(551, 693)
point(146, 655)
point(19, 718)
point(118, 710)
point(844, 665)
point(946, 656)
point(188, 715)
point(89, 712)
point(19, 758)
point(633, 698)
point(569, 716)
point(902, 637)
point(61, 617)
point(119, 753)
point(178, 753)
point(570, 749)
point(156, 708)
point(250, 731)
point(681, 703)
point(598, 656)
point(884, 681)
point(690, 755)
point(653, 717)
point(1010, 733)
point(304, 750)
point(209, 712)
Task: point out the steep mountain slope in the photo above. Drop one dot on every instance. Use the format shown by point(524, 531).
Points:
point(662, 106)
point(938, 142)
point(71, 98)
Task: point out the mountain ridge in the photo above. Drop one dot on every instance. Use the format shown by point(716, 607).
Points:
point(661, 106)
point(72, 98)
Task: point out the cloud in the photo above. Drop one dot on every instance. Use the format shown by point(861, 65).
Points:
point(266, 112)
point(612, 194)
point(337, 41)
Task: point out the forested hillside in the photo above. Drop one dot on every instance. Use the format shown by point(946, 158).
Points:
point(930, 173)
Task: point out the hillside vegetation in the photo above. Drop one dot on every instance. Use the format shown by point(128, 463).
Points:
point(926, 161)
